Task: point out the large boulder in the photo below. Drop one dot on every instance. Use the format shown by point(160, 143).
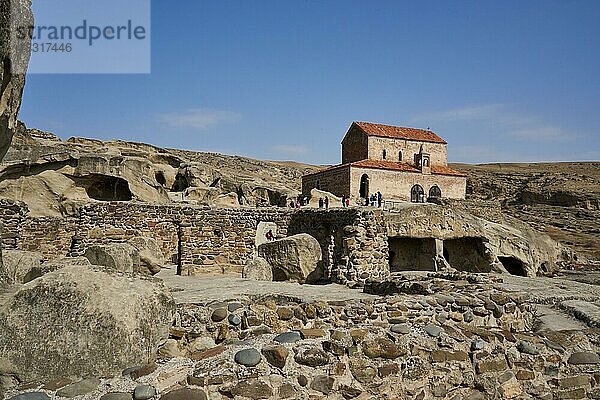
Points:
point(257, 269)
point(78, 322)
point(14, 66)
point(20, 266)
point(151, 258)
point(118, 256)
point(293, 258)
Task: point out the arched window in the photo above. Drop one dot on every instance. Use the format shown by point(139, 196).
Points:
point(399, 156)
point(384, 154)
point(426, 162)
point(435, 192)
point(417, 194)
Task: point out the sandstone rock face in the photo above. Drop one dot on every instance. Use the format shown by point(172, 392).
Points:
point(121, 257)
point(150, 255)
point(45, 194)
point(82, 322)
point(12, 78)
point(258, 269)
point(293, 258)
point(556, 198)
point(475, 244)
point(20, 266)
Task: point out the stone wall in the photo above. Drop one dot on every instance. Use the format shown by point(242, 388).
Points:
point(12, 215)
point(208, 240)
point(197, 239)
point(353, 242)
point(408, 148)
point(335, 180)
point(396, 185)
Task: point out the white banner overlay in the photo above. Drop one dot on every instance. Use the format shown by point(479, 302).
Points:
point(86, 37)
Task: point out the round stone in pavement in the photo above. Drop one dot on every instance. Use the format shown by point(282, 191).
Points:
point(185, 394)
point(234, 306)
point(433, 330)
point(287, 337)
point(400, 328)
point(79, 388)
point(528, 348)
point(584, 358)
point(219, 315)
point(31, 396)
point(234, 320)
point(144, 392)
point(116, 396)
point(248, 357)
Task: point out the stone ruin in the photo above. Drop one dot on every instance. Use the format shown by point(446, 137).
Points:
point(423, 301)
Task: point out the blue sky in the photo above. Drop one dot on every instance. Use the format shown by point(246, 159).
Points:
point(500, 81)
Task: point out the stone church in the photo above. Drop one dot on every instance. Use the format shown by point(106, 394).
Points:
point(402, 163)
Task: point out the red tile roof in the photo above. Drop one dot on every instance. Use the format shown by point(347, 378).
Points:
point(397, 132)
point(442, 170)
point(380, 164)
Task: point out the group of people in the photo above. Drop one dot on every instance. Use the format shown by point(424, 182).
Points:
point(301, 201)
point(345, 201)
point(374, 200)
point(324, 203)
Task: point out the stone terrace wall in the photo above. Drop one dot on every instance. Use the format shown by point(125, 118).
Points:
point(353, 242)
point(205, 240)
point(210, 240)
point(202, 240)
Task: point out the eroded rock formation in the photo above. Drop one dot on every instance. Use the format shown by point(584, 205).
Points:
point(52, 177)
point(468, 243)
point(14, 58)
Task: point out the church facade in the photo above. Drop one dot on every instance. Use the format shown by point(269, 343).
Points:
point(402, 163)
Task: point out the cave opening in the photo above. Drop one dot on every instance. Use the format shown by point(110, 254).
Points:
point(160, 178)
point(181, 183)
point(411, 254)
point(108, 188)
point(513, 265)
point(467, 254)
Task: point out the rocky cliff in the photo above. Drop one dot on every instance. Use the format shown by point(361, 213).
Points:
point(14, 58)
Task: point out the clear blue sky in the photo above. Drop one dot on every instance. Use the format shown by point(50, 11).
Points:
point(499, 80)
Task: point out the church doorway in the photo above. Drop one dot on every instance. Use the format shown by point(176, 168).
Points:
point(364, 186)
point(417, 194)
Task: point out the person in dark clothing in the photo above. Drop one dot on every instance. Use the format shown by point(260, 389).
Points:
point(326, 202)
point(320, 202)
point(379, 198)
point(344, 200)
